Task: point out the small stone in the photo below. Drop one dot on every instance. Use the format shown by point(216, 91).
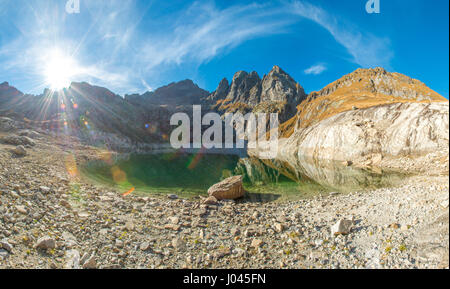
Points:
point(145, 246)
point(69, 240)
point(119, 243)
point(174, 220)
point(172, 196)
point(279, 227)
point(211, 200)
point(178, 244)
point(5, 245)
point(45, 243)
point(235, 232)
point(405, 227)
point(394, 226)
point(65, 204)
point(256, 243)
point(256, 215)
point(83, 214)
point(342, 227)
point(173, 227)
point(21, 209)
point(348, 163)
point(3, 254)
point(129, 226)
point(14, 194)
point(201, 235)
point(72, 260)
point(44, 189)
point(91, 263)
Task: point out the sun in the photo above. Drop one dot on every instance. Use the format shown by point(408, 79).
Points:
point(59, 70)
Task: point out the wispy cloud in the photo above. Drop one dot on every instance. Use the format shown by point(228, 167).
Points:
point(315, 69)
point(366, 49)
point(203, 31)
point(117, 45)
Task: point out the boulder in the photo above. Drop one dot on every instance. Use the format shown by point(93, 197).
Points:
point(19, 151)
point(29, 133)
point(7, 124)
point(230, 188)
point(17, 140)
point(72, 259)
point(45, 243)
point(342, 227)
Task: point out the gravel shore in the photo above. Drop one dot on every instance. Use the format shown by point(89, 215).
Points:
point(51, 218)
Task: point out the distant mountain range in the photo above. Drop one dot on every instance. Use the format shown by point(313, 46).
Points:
point(96, 114)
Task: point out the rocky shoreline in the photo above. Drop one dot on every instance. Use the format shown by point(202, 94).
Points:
point(51, 218)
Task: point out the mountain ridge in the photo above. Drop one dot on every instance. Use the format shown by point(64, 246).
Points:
point(145, 117)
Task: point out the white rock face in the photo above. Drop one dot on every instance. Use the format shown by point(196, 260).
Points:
point(373, 133)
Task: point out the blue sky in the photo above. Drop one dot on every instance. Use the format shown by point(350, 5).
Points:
point(133, 46)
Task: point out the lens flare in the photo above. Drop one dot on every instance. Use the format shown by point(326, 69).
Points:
point(59, 69)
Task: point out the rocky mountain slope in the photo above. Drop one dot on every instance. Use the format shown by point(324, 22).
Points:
point(374, 136)
point(360, 89)
point(92, 113)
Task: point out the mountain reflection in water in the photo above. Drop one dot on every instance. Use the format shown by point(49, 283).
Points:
point(265, 180)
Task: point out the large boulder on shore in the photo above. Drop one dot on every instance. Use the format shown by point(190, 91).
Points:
point(228, 189)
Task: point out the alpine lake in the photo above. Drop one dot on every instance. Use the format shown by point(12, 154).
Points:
point(191, 174)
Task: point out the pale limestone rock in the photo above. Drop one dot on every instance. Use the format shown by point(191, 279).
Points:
point(374, 133)
point(45, 242)
point(72, 260)
point(342, 227)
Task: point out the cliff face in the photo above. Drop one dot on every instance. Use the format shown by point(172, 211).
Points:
point(368, 136)
point(361, 89)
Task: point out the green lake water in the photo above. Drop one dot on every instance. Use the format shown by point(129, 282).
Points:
point(192, 174)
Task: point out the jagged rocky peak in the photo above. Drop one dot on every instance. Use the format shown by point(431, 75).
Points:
point(221, 92)
point(276, 92)
point(250, 89)
point(280, 86)
point(245, 88)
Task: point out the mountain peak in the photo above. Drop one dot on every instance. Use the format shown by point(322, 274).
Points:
point(277, 69)
point(361, 89)
point(377, 82)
